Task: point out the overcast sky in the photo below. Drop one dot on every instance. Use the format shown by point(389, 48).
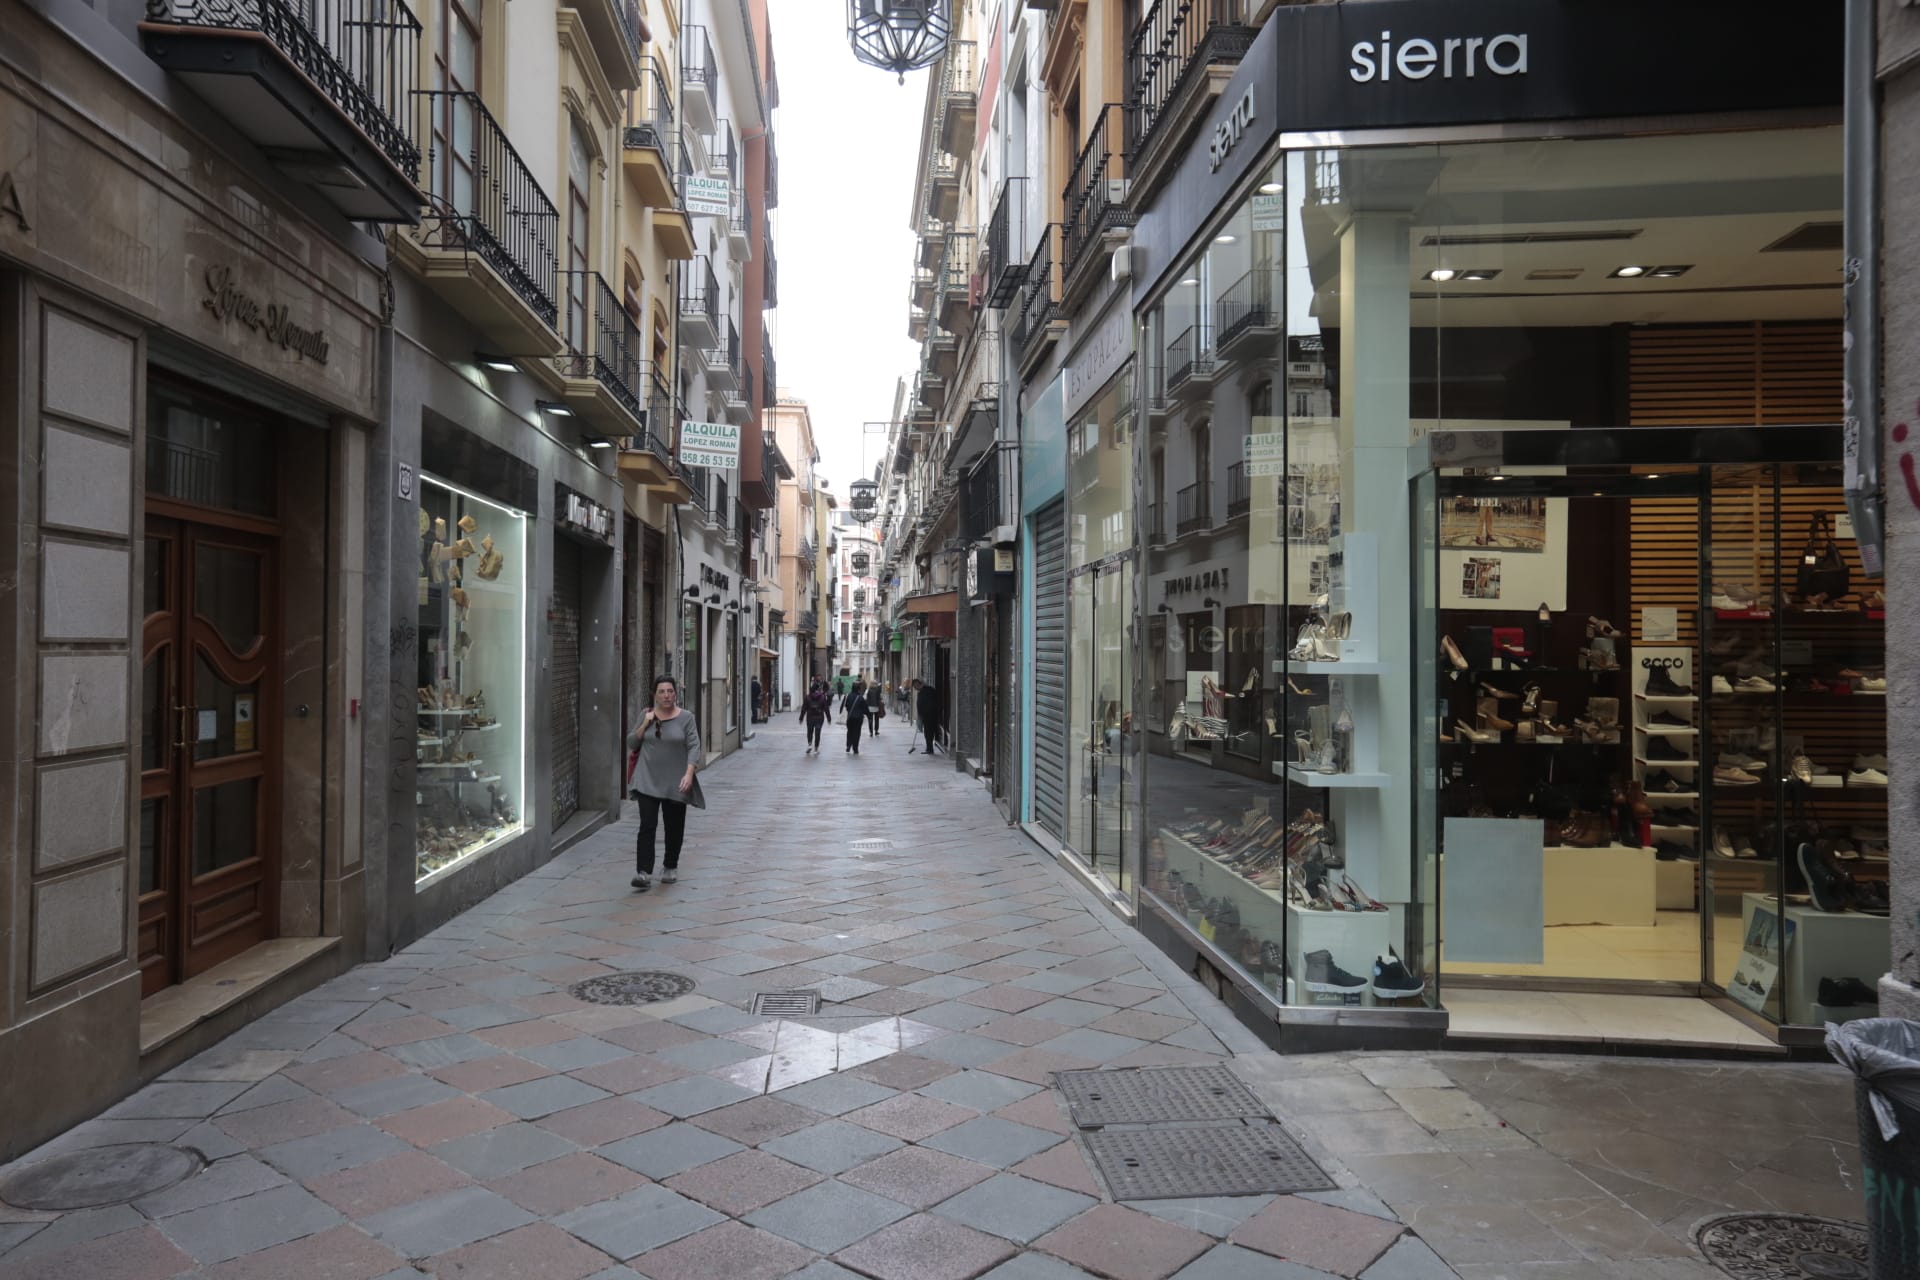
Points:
point(848, 136)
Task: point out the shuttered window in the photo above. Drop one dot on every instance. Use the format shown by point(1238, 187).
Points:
point(1050, 669)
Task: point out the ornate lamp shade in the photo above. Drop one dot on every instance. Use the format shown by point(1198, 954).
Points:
point(898, 35)
point(861, 560)
point(862, 494)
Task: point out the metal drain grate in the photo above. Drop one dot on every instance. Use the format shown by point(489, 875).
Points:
point(1157, 1095)
point(1784, 1246)
point(99, 1176)
point(642, 986)
point(871, 846)
point(786, 1004)
point(1202, 1160)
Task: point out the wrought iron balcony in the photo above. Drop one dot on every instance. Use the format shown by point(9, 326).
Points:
point(740, 228)
point(331, 93)
point(650, 115)
point(1095, 195)
point(1169, 52)
point(1007, 243)
point(1249, 308)
point(722, 157)
point(988, 489)
point(699, 304)
point(699, 78)
point(613, 29)
point(487, 202)
point(1039, 294)
point(953, 290)
point(770, 282)
point(1239, 494)
point(1190, 359)
point(603, 340)
point(959, 97)
point(943, 186)
point(722, 360)
point(1156, 523)
point(1193, 508)
point(917, 323)
point(740, 401)
point(932, 242)
point(768, 385)
point(922, 288)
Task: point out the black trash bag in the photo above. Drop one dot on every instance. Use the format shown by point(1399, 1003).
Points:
point(1884, 1053)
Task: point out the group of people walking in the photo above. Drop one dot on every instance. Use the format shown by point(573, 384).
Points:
point(863, 706)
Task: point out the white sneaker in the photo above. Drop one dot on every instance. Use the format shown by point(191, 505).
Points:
point(1722, 685)
point(1873, 684)
point(1867, 778)
point(1728, 777)
point(1732, 597)
point(1870, 762)
point(1755, 684)
point(669, 876)
point(1739, 760)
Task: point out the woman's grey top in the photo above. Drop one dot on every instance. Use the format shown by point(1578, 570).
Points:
point(664, 759)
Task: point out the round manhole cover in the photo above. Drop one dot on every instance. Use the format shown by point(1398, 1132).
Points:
point(99, 1176)
point(645, 986)
point(1784, 1246)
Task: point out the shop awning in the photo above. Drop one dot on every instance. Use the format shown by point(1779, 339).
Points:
point(933, 602)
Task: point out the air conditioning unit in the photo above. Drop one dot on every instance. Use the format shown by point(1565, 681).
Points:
point(1117, 190)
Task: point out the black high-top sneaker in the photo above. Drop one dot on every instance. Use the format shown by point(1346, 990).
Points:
point(1824, 881)
point(1323, 975)
point(1840, 993)
point(1391, 981)
point(1661, 684)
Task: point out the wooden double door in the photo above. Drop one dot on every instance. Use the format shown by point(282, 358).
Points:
point(209, 782)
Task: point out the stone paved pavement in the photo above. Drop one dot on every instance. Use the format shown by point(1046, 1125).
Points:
point(454, 1112)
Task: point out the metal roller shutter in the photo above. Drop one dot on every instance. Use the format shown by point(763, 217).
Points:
point(563, 713)
point(1050, 669)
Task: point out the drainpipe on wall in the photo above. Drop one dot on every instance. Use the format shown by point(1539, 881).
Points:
point(1861, 298)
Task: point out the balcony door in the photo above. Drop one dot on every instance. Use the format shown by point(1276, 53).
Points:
point(456, 73)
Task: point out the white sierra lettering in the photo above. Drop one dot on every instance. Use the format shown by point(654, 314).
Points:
point(1461, 57)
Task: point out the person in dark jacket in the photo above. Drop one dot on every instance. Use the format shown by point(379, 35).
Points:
point(854, 707)
point(815, 710)
point(926, 705)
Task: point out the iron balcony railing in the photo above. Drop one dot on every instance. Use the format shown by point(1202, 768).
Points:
point(1192, 508)
point(650, 117)
point(725, 353)
point(488, 202)
point(1040, 293)
point(1175, 41)
point(700, 292)
point(698, 70)
point(363, 54)
point(985, 490)
point(721, 156)
point(603, 340)
point(770, 281)
point(1190, 355)
point(1157, 522)
point(695, 478)
point(647, 442)
point(1007, 243)
point(1239, 495)
point(955, 281)
point(746, 383)
point(1251, 302)
point(629, 13)
point(773, 174)
point(959, 77)
point(1095, 196)
point(766, 365)
point(737, 224)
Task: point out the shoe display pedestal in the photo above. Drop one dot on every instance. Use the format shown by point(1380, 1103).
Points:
point(1616, 884)
point(1824, 944)
point(1676, 884)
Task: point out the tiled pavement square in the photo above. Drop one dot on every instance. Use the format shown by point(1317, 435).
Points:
point(1230, 1262)
point(630, 1074)
point(653, 1034)
point(833, 1146)
point(917, 1176)
point(607, 1120)
point(228, 1179)
point(1318, 1235)
point(757, 1120)
point(835, 1095)
point(1014, 1207)
point(538, 1098)
point(383, 1184)
point(1062, 1166)
point(1036, 1266)
point(954, 1016)
point(692, 1095)
point(745, 1181)
point(1036, 1066)
point(979, 1090)
point(392, 1031)
point(1124, 1244)
point(731, 1250)
point(285, 1121)
point(910, 1117)
point(566, 1183)
point(444, 1121)
point(1006, 998)
point(1017, 1030)
point(341, 1253)
point(926, 1248)
point(571, 1055)
point(674, 1148)
point(498, 1152)
point(828, 1217)
point(904, 1071)
point(705, 1055)
point(1140, 1025)
point(537, 1249)
point(496, 1071)
point(333, 1074)
point(1042, 1110)
point(443, 1052)
point(258, 1221)
point(517, 1037)
point(640, 1221)
point(1092, 1046)
point(333, 1150)
point(1215, 1215)
point(964, 1049)
point(444, 1222)
point(1069, 1012)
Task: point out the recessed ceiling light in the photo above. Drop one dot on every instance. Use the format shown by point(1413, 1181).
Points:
point(1496, 477)
point(1270, 188)
point(1440, 275)
point(1190, 282)
point(1627, 273)
point(1555, 273)
point(1480, 273)
point(501, 364)
point(557, 408)
point(1223, 238)
point(1669, 273)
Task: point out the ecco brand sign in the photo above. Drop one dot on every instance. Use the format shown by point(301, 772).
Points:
point(1228, 131)
point(1455, 56)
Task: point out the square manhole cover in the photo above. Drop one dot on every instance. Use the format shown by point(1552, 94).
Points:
point(1157, 1095)
point(1202, 1160)
point(786, 1004)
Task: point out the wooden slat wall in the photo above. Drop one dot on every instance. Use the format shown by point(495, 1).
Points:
point(1718, 375)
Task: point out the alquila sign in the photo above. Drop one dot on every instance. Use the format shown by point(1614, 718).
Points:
point(229, 302)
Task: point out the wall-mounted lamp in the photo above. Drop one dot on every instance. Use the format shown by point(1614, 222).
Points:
point(557, 408)
point(714, 598)
point(598, 442)
point(1209, 602)
point(693, 591)
point(1165, 607)
point(500, 364)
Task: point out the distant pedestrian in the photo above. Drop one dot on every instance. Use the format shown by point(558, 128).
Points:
point(876, 708)
point(816, 710)
point(753, 712)
point(926, 702)
point(666, 750)
point(854, 706)
point(909, 699)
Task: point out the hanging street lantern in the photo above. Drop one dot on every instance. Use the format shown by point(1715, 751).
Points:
point(862, 495)
point(861, 562)
point(898, 35)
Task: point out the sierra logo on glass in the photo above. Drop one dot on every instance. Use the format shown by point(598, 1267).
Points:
point(1416, 59)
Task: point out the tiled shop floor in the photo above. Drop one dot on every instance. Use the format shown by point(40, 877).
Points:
point(453, 1111)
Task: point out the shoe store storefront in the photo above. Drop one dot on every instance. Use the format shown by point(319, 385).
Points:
point(190, 387)
point(1580, 335)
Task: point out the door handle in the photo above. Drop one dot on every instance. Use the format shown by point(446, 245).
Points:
point(184, 713)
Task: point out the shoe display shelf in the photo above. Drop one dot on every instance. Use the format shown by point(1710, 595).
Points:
point(1353, 937)
point(1819, 944)
point(1674, 812)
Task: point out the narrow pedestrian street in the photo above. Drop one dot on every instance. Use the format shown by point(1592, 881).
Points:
point(457, 1111)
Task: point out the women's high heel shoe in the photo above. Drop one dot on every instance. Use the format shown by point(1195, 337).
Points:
point(1452, 653)
point(1354, 892)
point(1600, 627)
point(1492, 692)
point(1489, 715)
point(1530, 701)
point(1461, 729)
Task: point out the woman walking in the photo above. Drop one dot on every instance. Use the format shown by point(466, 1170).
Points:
point(666, 744)
point(855, 709)
point(876, 708)
point(815, 710)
